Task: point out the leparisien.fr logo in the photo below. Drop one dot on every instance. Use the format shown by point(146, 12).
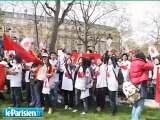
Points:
point(22, 113)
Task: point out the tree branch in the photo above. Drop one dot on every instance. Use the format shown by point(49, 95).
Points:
point(44, 8)
point(65, 12)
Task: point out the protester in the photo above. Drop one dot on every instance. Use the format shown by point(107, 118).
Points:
point(153, 74)
point(92, 90)
point(68, 84)
point(81, 85)
point(16, 82)
point(41, 74)
point(112, 73)
point(4, 64)
point(10, 61)
point(46, 85)
point(139, 76)
point(125, 66)
point(89, 51)
point(27, 82)
point(54, 80)
point(101, 84)
point(32, 78)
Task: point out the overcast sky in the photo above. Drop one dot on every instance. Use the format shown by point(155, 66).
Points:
point(139, 14)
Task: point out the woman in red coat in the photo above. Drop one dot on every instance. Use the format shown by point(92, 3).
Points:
point(139, 76)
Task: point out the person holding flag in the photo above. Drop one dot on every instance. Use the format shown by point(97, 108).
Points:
point(3, 65)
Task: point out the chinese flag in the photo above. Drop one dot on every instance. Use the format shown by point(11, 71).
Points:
point(2, 77)
point(9, 44)
point(95, 55)
point(75, 56)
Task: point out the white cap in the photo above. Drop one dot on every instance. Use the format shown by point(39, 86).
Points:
point(45, 55)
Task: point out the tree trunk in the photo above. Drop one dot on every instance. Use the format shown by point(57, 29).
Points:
point(37, 38)
point(85, 47)
point(54, 38)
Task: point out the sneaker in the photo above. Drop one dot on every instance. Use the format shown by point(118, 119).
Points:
point(66, 107)
point(75, 110)
point(31, 104)
point(11, 106)
point(83, 113)
point(98, 109)
point(43, 108)
point(59, 101)
point(69, 108)
point(50, 110)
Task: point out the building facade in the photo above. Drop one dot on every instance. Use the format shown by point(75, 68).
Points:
point(19, 26)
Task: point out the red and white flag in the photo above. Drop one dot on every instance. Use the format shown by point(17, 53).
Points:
point(153, 51)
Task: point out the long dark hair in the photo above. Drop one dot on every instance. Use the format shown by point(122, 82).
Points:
point(84, 64)
point(140, 54)
point(18, 59)
point(66, 65)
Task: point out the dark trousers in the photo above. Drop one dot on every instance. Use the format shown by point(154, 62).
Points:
point(68, 98)
point(60, 82)
point(2, 97)
point(28, 92)
point(8, 86)
point(16, 96)
point(100, 97)
point(112, 97)
point(77, 101)
point(38, 92)
point(48, 100)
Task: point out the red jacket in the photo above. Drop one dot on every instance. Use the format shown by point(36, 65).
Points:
point(139, 70)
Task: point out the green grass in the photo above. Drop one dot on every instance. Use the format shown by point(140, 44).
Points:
point(124, 113)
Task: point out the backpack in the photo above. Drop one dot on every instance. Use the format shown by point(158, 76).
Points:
point(120, 77)
point(131, 92)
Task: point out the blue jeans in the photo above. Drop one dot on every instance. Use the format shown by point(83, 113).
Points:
point(38, 92)
point(16, 96)
point(33, 96)
point(54, 94)
point(137, 108)
point(78, 100)
point(112, 97)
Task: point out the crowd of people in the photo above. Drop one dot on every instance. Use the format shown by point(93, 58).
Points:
point(78, 82)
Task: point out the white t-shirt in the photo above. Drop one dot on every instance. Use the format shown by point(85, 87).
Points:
point(12, 62)
point(27, 72)
point(67, 82)
point(101, 77)
point(112, 81)
point(42, 73)
point(27, 76)
point(82, 79)
point(16, 80)
point(55, 64)
point(125, 67)
point(154, 76)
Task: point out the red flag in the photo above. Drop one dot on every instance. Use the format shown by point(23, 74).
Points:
point(7, 43)
point(25, 55)
point(2, 77)
point(75, 56)
point(95, 55)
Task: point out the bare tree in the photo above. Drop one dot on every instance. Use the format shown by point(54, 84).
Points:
point(90, 12)
point(120, 20)
point(58, 18)
point(36, 19)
